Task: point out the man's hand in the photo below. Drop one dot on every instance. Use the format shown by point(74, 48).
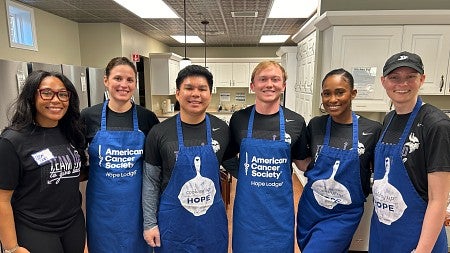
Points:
point(152, 237)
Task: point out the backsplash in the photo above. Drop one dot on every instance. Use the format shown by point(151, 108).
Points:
point(232, 105)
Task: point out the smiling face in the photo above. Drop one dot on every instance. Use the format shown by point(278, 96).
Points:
point(337, 96)
point(49, 112)
point(268, 84)
point(402, 86)
point(120, 83)
point(194, 97)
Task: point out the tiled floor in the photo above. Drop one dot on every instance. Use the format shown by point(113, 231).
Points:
point(297, 192)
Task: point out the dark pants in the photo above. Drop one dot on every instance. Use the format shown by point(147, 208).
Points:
point(71, 240)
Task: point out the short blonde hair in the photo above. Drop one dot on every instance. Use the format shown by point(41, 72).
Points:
point(265, 64)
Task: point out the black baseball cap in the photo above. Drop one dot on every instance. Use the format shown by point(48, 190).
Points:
point(403, 59)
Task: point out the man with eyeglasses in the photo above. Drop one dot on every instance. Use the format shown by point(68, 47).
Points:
point(412, 165)
point(266, 136)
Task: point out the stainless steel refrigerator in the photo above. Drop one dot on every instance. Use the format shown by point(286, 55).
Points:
point(77, 74)
point(33, 66)
point(96, 89)
point(13, 75)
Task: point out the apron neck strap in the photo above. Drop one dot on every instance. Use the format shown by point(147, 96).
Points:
point(327, 137)
point(103, 120)
point(180, 131)
point(407, 128)
point(252, 119)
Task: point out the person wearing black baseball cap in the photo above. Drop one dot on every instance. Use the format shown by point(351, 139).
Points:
point(412, 165)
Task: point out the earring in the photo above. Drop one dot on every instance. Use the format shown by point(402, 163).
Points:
point(322, 108)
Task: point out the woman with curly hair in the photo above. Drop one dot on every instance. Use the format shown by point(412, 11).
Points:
point(41, 151)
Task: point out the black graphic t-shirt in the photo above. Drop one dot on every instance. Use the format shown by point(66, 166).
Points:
point(43, 169)
point(268, 127)
point(426, 148)
point(161, 145)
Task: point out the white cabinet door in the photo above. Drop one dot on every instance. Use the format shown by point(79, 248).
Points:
point(164, 68)
point(224, 74)
point(174, 68)
point(252, 66)
point(365, 47)
point(240, 75)
point(432, 43)
point(230, 74)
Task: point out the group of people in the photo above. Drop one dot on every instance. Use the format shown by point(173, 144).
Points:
point(156, 186)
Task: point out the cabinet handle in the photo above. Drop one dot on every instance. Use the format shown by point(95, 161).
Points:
point(442, 83)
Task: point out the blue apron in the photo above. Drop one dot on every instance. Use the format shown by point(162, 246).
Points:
point(263, 215)
point(113, 194)
point(192, 216)
point(332, 201)
point(398, 208)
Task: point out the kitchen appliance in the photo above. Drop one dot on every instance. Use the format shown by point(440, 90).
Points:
point(96, 91)
point(13, 75)
point(77, 74)
point(33, 66)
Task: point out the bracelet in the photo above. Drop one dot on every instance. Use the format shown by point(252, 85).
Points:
point(11, 250)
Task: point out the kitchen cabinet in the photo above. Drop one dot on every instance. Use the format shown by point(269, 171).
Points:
point(164, 68)
point(305, 100)
point(431, 42)
point(357, 48)
point(232, 74)
point(252, 66)
point(289, 62)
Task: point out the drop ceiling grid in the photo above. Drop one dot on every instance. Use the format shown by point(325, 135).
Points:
point(225, 30)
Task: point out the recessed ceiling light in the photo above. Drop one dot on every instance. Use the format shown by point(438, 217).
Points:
point(274, 38)
point(244, 14)
point(148, 8)
point(189, 39)
point(293, 8)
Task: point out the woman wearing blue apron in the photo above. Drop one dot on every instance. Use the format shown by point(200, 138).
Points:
point(406, 217)
point(116, 132)
point(332, 201)
point(192, 215)
point(342, 143)
point(264, 180)
point(115, 175)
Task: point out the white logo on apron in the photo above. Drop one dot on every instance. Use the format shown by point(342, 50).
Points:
point(388, 201)
point(100, 157)
point(246, 164)
point(329, 192)
point(197, 194)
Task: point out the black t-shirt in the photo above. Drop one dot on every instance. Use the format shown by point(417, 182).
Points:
point(43, 169)
point(91, 117)
point(427, 145)
point(268, 127)
point(161, 144)
point(341, 137)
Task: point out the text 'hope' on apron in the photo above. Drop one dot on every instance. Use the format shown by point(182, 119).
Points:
point(398, 208)
point(332, 201)
point(192, 216)
point(263, 216)
point(113, 195)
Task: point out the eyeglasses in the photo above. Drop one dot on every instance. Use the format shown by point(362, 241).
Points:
point(48, 94)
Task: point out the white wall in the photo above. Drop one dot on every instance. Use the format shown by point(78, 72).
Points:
point(136, 42)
